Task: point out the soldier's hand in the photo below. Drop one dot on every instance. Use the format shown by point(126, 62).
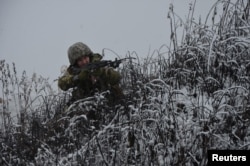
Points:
point(97, 72)
point(83, 75)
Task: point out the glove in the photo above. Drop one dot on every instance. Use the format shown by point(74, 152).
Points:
point(97, 72)
point(83, 75)
point(108, 75)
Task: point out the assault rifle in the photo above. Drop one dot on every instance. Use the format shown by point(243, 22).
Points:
point(96, 65)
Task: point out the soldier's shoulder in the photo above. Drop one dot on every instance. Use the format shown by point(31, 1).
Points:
point(96, 57)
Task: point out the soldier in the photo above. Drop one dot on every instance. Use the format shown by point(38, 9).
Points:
point(86, 83)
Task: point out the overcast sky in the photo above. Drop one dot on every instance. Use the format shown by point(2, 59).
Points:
point(35, 34)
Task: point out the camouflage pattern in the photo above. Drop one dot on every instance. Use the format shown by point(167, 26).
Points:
point(83, 86)
point(77, 51)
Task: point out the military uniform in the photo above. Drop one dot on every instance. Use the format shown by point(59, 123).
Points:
point(83, 83)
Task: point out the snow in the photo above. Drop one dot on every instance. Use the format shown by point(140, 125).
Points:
point(172, 114)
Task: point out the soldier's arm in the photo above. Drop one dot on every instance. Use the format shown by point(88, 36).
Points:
point(111, 76)
point(67, 81)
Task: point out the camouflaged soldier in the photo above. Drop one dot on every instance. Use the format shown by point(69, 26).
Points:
point(86, 83)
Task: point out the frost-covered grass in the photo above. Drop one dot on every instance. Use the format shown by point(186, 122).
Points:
point(181, 100)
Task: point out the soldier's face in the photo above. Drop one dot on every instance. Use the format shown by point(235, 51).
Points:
point(83, 61)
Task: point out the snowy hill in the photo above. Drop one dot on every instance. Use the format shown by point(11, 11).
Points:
point(181, 101)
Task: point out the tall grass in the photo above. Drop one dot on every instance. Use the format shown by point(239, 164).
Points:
point(181, 101)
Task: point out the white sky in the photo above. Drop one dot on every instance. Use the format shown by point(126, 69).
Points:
point(35, 34)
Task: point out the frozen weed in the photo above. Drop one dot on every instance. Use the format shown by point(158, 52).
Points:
point(181, 101)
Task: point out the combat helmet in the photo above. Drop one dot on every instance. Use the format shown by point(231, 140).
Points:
point(77, 51)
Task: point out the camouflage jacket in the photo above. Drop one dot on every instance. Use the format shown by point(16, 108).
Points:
point(108, 79)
